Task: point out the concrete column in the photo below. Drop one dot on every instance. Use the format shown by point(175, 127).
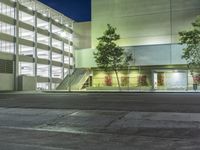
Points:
point(63, 60)
point(171, 31)
point(16, 59)
point(187, 80)
point(50, 55)
point(35, 40)
point(69, 55)
point(73, 46)
point(63, 57)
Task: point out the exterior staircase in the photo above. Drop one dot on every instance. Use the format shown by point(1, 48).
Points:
point(75, 81)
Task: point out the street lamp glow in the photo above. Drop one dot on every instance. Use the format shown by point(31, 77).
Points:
point(63, 34)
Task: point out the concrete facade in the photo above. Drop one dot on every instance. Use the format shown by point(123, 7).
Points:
point(147, 28)
point(141, 22)
point(82, 43)
point(39, 42)
point(27, 83)
point(82, 35)
point(6, 82)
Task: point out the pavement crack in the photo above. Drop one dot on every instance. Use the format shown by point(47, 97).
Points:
point(54, 121)
point(114, 120)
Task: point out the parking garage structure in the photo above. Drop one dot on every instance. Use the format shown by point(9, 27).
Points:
point(37, 43)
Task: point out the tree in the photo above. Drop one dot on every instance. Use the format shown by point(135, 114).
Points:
point(191, 53)
point(109, 55)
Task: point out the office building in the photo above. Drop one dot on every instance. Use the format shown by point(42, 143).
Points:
point(149, 30)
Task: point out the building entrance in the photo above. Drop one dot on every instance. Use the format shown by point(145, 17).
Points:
point(170, 79)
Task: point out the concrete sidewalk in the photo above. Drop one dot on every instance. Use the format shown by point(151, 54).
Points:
point(122, 91)
point(98, 91)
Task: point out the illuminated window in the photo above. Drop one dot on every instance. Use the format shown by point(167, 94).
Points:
point(56, 72)
point(26, 68)
point(56, 57)
point(30, 4)
point(27, 18)
point(43, 70)
point(26, 34)
point(42, 24)
point(7, 28)
point(66, 47)
point(6, 46)
point(42, 39)
point(7, 10)
point(57, 44)
point(44, 54)
point(66, 59)
point(26, 50)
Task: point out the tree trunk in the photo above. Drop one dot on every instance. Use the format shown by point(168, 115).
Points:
point(118, 80)
point(191, 72)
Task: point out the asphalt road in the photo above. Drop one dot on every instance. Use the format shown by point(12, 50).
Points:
point(103, 121)
point(154, 102)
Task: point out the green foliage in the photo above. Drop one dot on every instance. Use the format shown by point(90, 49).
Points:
point(128, 59)
point(191, 53)
point(109, 55)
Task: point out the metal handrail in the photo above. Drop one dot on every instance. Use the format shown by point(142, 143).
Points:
point(78, 79)
point(84, 78)
point(75, 80)
point(64, 82)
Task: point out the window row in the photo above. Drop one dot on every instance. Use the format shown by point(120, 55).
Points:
point(45, 11)
point(29, 35)
point(36, 6)
point(26, 68)
point(9, 47)
point(44, 54)
point(29, 19)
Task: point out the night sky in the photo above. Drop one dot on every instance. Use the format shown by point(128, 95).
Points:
point(78, 10)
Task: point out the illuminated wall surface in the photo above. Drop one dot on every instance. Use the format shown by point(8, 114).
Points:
point(142, 22)
point(142, 78)
point(82, 35)
point(148, 26)
point(40, 38)
point(101, 79)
